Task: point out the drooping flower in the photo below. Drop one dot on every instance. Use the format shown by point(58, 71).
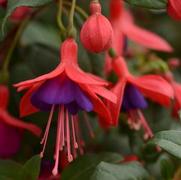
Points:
point(69, 90)
point(131, 92)
point(96, 33)
point(11, 129)
point(174, 9)
point(124, 28)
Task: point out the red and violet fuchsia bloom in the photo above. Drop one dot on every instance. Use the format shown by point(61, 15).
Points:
point(130, 91)
point(69, 90)
point(11, 129)
point(19, 14)
point(174, 9)
point(124, 27)
point(96, 33)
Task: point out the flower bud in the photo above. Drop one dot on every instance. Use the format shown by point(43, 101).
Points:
point(96, 33)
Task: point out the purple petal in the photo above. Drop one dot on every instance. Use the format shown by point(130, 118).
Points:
point(133, 99)
point(61, 91)
point(83, 101)
point(73, 107)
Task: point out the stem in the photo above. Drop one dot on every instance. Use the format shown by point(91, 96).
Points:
point(13, 45)
point(112, 53)
point(59, 16)
point(78, 9)
point(71, 29)
point(71, 16)
point(4, 73)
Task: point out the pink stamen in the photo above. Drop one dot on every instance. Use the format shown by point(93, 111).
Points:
point(149, 133)
point(92, 135)
point(62, 143)
point(133, 120)
point(77, 130)
point(70, 157)
point(45, 137)
point(73, 133)
point(60, 119)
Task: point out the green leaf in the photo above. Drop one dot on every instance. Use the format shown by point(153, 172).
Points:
point(169, 140)
point(84, 166)
point(13, 4)
point(31, 169)
point(167, 169)
point(36, 33)
point(9, 169)
point(150, 4)
point(128, 171)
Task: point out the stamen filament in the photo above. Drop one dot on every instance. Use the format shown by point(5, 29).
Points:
point(60, 118)
point(91, 132)
point(70, 157)
point(149, 133)
point(73, 133)
point(45, 137)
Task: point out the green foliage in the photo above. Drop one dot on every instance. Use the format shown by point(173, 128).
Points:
point(10, 170)
point(150, 4)
point(127, 171)
point(169, 141)
point(103, 167)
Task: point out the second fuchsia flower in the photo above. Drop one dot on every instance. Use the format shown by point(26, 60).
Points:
point(96, 33)
point(69, 90)
point(124, 27)
point(131, 91)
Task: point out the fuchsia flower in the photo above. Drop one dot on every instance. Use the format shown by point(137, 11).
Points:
point(174, 9)
point(131, 90)
point(96, 33)
point(124, 27)
point(11, 128)
point(69, 90)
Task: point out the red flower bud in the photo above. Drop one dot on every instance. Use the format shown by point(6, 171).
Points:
point(96, 33)
point(174, 9)
point(20, 13)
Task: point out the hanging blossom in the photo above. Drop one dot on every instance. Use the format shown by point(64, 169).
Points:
point(96, 32)
point(174, 9)
point(124, 27)
point(11, 129)
point(69, 90)
point(177, 94)
point(19, 13)
point(131, 92)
